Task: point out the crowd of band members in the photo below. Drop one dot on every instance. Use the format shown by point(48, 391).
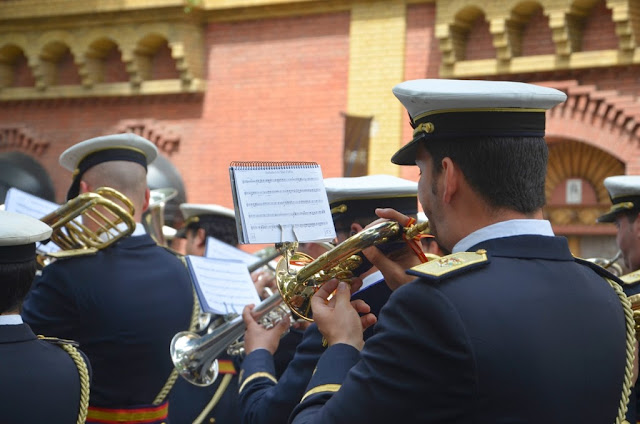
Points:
point(494, 334)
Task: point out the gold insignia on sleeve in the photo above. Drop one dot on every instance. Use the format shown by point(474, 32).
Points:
point(260, 374)
point(450, 263)
point(631, 278)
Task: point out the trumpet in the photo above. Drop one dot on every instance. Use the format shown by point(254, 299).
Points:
point(609, 264)
point(298, 277)
point(70, 222)
point(153, 217)
point(195, 357)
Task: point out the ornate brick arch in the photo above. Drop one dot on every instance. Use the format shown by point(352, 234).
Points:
point(602, 118)
point(165, 139)
point(21, 139)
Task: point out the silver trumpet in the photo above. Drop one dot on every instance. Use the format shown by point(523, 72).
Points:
point(298, 277)
point(195, 357)
point(609, 264)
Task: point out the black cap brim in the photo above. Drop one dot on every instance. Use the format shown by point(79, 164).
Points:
point(407, 154)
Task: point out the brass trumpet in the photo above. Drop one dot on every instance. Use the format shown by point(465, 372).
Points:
point(71, 221)
point(298, 277)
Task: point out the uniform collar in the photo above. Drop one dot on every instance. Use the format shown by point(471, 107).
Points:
point(527, 247)
point(136, 242)
point(138, 231)
point(514, 227)
point(16, 333)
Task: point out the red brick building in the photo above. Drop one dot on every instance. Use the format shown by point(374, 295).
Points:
point(213, 81)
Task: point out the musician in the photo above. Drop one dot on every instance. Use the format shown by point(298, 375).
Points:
point(123, 304)
point(624, 191)
point(219, 401)
point(508, 328)
point(353, 202)
point(48, 372)
point(202, 221)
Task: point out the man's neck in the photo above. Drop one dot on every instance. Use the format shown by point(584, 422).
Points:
point(482, 216)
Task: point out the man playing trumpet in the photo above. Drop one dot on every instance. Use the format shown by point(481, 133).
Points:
point(508, 328)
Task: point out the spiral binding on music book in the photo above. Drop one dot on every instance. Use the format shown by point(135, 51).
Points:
point(270, 165)
point(280, 202)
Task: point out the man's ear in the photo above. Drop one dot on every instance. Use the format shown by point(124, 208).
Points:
point(355, 229)
point(201, 237)
point(147, 196)
point(84, 187)
point(452, 178)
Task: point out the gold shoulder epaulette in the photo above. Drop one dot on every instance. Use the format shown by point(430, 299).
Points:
point(450, 265)
point(58, 341)
point(631, 278)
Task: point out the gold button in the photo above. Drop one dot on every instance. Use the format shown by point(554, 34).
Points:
point(429, 127)
point(212, 420)
point(481, 251)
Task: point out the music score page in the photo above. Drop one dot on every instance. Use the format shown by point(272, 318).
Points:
point(223, 285)
point(278, 202)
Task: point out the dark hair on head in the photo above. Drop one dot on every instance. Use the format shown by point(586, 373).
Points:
point(220, 227)
point(15, 282)
point(508, 172)
point(632, 214)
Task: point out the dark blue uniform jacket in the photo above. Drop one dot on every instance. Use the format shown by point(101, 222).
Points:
point(262, 400)
point(40, 381)
point(123, 305)
point(529, 336)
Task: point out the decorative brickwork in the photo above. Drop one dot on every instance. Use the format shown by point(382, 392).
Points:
point(271, 79)
point(166, 141)
point(21, 139)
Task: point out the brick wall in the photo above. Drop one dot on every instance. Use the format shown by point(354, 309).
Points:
point(114, 68)
point(276, 90)
point(422, 61)
point(599, 30)
point(479, 40)
point(536, 36)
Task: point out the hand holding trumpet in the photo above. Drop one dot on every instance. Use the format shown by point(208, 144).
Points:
point(394, 266)
point(338, 317)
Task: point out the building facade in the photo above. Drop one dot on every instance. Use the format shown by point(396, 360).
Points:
point(215, 81)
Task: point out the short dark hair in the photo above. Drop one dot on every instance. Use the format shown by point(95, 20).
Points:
point(508, 172)
point(631, 215)
point(16, 280)
point(219, 227)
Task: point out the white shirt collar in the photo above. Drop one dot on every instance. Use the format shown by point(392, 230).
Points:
point(514, 227)
point(370, 279)
point(13, 319)
point(139, 231)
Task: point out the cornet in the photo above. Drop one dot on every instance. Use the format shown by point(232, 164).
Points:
point(298, 277)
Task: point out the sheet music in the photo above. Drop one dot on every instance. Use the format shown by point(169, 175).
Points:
point(27, 204)
point(221, 250)
point(278, 202)
point(223, 285)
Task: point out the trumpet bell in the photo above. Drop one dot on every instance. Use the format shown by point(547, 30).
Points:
point(188, 363)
